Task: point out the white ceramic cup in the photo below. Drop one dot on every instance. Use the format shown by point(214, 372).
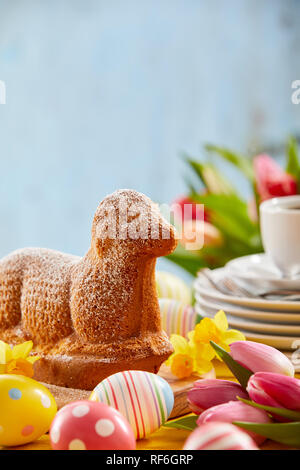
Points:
point(280, 230)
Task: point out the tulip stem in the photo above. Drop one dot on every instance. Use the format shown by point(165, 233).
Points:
point(284, 412)
point(285, 433)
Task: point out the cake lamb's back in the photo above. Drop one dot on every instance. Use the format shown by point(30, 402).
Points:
point(90, 317)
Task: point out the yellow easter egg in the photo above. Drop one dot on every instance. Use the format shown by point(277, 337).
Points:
point(27, 409)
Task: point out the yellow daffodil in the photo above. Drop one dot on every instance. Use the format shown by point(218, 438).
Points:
point(16, 360)
point(195, 355)
point(185, 359)
point(216, 330)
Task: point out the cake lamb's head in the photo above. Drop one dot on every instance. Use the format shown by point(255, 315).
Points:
point(130, 220)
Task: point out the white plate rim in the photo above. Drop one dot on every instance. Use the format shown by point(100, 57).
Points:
point(294, 318)
point(258, 326)
point(278, 305)
point(280, 342)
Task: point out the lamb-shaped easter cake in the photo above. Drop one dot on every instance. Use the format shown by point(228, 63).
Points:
point(93, 316)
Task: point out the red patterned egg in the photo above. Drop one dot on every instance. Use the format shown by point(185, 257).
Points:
point(219, 436)
point(86, 425)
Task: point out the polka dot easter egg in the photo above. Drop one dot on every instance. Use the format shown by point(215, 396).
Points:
point(177, 318)
point(26, 410)
point(84, 425)
point(146, 400)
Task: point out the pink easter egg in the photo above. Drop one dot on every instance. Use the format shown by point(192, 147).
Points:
point(219, 436)
point(86, 425)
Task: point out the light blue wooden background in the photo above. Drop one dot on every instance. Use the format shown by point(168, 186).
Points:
point(103, 94)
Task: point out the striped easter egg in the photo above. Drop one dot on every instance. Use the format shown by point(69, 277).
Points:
point(177, 317)
point(146, 400)
point(219, 436)
point(172, 287)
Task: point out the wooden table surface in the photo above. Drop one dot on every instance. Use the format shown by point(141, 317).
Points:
point(164, 438)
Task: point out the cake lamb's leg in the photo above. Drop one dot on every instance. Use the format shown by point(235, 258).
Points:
point(10, 293)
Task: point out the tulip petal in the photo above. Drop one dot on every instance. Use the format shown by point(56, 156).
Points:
point(259, 357)
point(208, 393)
point(275, 389)
point(235, 411)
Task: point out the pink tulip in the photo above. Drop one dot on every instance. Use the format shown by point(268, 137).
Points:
point(259, 357)
point(271, 180)
point(219, 436)
point(186, 209)
point(235, 411)
point(266, 388)
point(208, 393)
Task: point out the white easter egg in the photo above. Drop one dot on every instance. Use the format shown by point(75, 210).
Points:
point(172, 287)
point(177, 317)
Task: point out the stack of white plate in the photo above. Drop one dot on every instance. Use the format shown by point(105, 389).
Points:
point(274, 322)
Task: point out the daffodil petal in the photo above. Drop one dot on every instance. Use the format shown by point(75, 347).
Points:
point(182, 365)
point(5, 353)
point(32, 359)
point(22, 350)
point(220, 321)
point(202, 366)
point(191, 335)
point(204, 351)
point(179, 344)
point(231, 336)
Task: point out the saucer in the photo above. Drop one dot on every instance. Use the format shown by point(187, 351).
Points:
point(259, 271)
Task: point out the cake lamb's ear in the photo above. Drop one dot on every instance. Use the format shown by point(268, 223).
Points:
point(130, 219)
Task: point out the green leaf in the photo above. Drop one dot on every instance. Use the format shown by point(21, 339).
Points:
point(293, 165)
point(229, 214)
point(241, 373)
point(211, 177)
point(285, 433)
point(284, 412)
point(232, 204)
point(188, 423)
point(242, 163)
point(189, 260)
